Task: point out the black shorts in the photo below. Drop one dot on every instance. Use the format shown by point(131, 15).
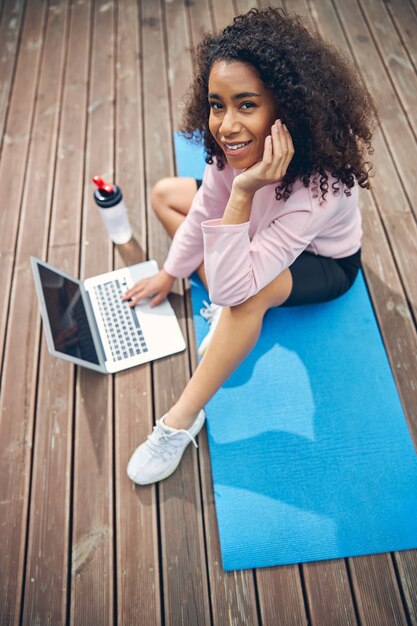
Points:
point(319, 278)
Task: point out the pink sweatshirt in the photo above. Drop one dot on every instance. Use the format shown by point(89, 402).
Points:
point(241, 259)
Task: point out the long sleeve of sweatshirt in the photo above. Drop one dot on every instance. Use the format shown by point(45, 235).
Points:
point(241, 259)
point(186, 252)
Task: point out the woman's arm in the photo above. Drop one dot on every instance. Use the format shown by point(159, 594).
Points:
point(237, 266)
point(186, 251)
point(239, 207)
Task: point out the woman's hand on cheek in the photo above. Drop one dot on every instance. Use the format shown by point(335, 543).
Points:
point(278, 152)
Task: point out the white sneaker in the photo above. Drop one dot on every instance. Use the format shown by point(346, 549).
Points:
point(211, 312)
point(159, 456)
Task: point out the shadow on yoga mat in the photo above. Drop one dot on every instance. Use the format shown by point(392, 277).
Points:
point(310, 451)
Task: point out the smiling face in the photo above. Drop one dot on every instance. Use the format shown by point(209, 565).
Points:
point(242, 111)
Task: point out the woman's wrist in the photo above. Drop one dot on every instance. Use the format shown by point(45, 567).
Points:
point(239, 207)
point(168, 276)
point(240, 188)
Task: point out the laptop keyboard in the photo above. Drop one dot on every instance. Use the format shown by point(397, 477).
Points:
point(122, 326)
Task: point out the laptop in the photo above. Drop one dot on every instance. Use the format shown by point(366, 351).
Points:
point(88, 324)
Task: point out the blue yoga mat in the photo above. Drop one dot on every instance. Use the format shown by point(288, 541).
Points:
point(311, 455)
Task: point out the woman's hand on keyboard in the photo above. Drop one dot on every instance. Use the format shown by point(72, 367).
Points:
point(157, 288)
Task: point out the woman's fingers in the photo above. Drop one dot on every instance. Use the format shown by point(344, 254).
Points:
point(284, 141)
point(135, 299)
point(290, 149)
point(285, 152)
point(136, 293)
point(157, 299)
point(148, 291)
point(280, 150)
point(276, 144)
point(157, 288)
point(268, 150)
point(135, 290)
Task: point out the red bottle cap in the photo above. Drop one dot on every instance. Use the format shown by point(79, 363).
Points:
point(102, 185)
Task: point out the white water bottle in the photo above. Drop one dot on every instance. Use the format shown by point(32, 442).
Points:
point(109, 199)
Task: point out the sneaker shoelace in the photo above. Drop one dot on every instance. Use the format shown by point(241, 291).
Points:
point(159, 440)
point(209, 311)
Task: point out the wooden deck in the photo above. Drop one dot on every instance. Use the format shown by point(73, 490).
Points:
point(92, 87)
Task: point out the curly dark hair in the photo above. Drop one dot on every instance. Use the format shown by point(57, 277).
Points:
point(329, 112)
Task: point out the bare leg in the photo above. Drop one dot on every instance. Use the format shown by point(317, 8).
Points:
point(236, 334)
point(171, 200)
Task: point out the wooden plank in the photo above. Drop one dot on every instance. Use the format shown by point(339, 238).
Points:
point(223, 13)
point(184, 574)
point(398, 66)
point(15, 146)
point(281, 596)
point(392, 310)
point(46, 585)
point(158, 140)
point(10, 25)
point(92, 575)
point(398, 134)
point(178, 53)
point(200, 20)
point(405, 19)
point(138, 586)
point(328, 593)
point(303, 8)
point(406, 562)
point(243, 6)
point(21, 360)
point(264, 4)
point(414, 5)
point(378, 597)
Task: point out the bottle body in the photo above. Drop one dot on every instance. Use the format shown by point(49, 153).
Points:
point(117, 223)
point(113, 213)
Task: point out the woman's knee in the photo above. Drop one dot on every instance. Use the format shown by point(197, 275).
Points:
point(173, 193)
point(161, 192)
point(272, 295)
point(254, 306)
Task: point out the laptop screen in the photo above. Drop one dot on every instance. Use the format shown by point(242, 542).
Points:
point(70, 329)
